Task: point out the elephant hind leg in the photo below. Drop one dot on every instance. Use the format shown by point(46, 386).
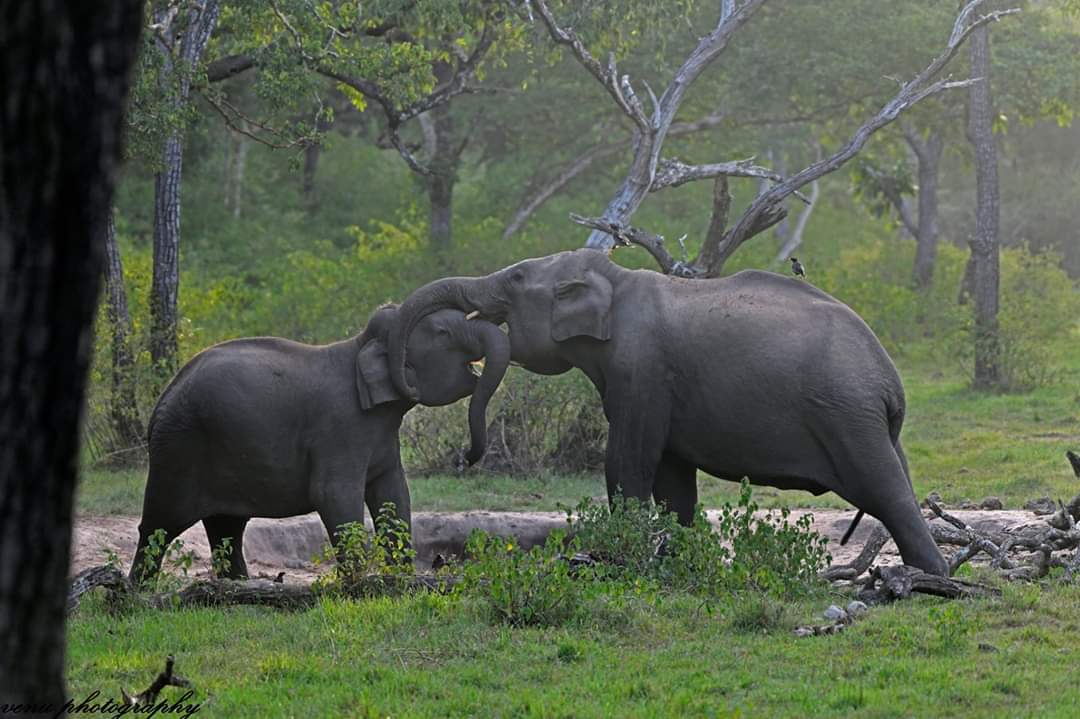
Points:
point(675, 487)
point(873, 478)
point(220, 528)
point(154, 540)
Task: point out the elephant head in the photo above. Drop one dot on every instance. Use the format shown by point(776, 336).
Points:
point(547, 302)
point(441, 349)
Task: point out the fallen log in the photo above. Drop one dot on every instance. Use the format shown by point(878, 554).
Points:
point(888, 584)
point(251, 592)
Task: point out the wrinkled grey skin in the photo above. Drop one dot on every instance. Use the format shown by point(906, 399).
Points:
point(753, 375)
point(267, 427)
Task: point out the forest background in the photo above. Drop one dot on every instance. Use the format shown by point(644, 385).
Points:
point(286, 177)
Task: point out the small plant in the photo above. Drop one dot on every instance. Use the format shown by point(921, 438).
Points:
point(771, 554)
point(221, 558)
point(366, 564)
point(570, 652)
point(757, 614)
point(950, 624)
point(627, 539)
point(177, 558)
point(112, 559)
point(520, 588)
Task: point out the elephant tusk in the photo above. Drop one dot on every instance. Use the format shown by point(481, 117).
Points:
point(477, 367)
point(473, 315)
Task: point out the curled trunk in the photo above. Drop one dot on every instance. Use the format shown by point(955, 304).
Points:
point(496, 348)
point(434, 296)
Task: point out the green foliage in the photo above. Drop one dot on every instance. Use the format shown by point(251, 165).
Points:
point(221, 558)
point(758, 614)
point(521, 588)
point(536, 424)
point(950, 625)
point(1037, 300)
point(368, 565)
point(167, 556)
point(767, 555)
point(626, 540)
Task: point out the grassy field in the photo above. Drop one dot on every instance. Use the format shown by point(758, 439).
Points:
point(960, 443)
point(645, 655)
point(436, 656)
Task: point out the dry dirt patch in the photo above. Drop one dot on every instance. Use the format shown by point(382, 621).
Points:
point(289, 545)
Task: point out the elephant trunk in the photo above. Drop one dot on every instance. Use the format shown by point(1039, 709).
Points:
point(434, 296)
point(496, 349)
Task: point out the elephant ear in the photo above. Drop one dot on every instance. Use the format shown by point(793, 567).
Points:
point(582, 308)
point(373, 376)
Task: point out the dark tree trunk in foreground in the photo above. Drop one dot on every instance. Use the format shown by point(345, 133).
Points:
point(928, 154)
point(123, 409)
point(65, 69)
point(165, 285)
point(984, 244)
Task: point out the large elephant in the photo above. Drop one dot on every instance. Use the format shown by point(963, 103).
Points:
point(753, 375)
point(267, 427)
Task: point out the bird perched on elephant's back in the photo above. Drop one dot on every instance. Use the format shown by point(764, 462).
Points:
point(754, 375)
point(268, 427)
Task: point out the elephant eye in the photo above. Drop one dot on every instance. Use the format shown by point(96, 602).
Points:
point(517, 275)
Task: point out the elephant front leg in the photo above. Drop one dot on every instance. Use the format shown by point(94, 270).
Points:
point(675, 487)
point(636, 438)
point(389, 487)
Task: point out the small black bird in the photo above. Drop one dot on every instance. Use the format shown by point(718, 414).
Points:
point(796, 267)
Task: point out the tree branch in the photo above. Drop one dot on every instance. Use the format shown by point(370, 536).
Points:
point(910, 93)
point(608, 77)
point(229, 66)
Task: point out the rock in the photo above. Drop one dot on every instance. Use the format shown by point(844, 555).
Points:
point(932, 497)
point(835, 613)
point(992, 503)
point(966, 504)
point(1042, 505)
point(856, 608)
point(988, 648)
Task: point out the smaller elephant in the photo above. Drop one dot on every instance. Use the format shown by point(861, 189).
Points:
point(268, 427)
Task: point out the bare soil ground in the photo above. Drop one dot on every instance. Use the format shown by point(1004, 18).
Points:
point(289, 545)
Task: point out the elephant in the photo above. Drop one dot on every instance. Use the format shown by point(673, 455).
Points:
point(268, 427)
point(752, 375)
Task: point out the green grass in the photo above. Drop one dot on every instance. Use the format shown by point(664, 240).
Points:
point(437, 656)
point(960, 443)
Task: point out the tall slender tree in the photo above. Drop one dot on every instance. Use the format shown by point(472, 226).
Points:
point(65, 66)
point(985, 250)
point(181, 32)
point(123, 409)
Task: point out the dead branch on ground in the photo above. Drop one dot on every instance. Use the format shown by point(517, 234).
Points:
point(148, 696)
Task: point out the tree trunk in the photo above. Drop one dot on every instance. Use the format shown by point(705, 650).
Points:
point(311, 163)
point(123, 409)
point(165, 285)
point(440, 184)
point(928, 154)
point(65, 67)
point(984, 244)
point(235, 166)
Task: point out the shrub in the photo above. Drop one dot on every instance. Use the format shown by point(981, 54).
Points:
point(520, 588)
point(768, 555)
point(368, 565)
point(627, 539)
